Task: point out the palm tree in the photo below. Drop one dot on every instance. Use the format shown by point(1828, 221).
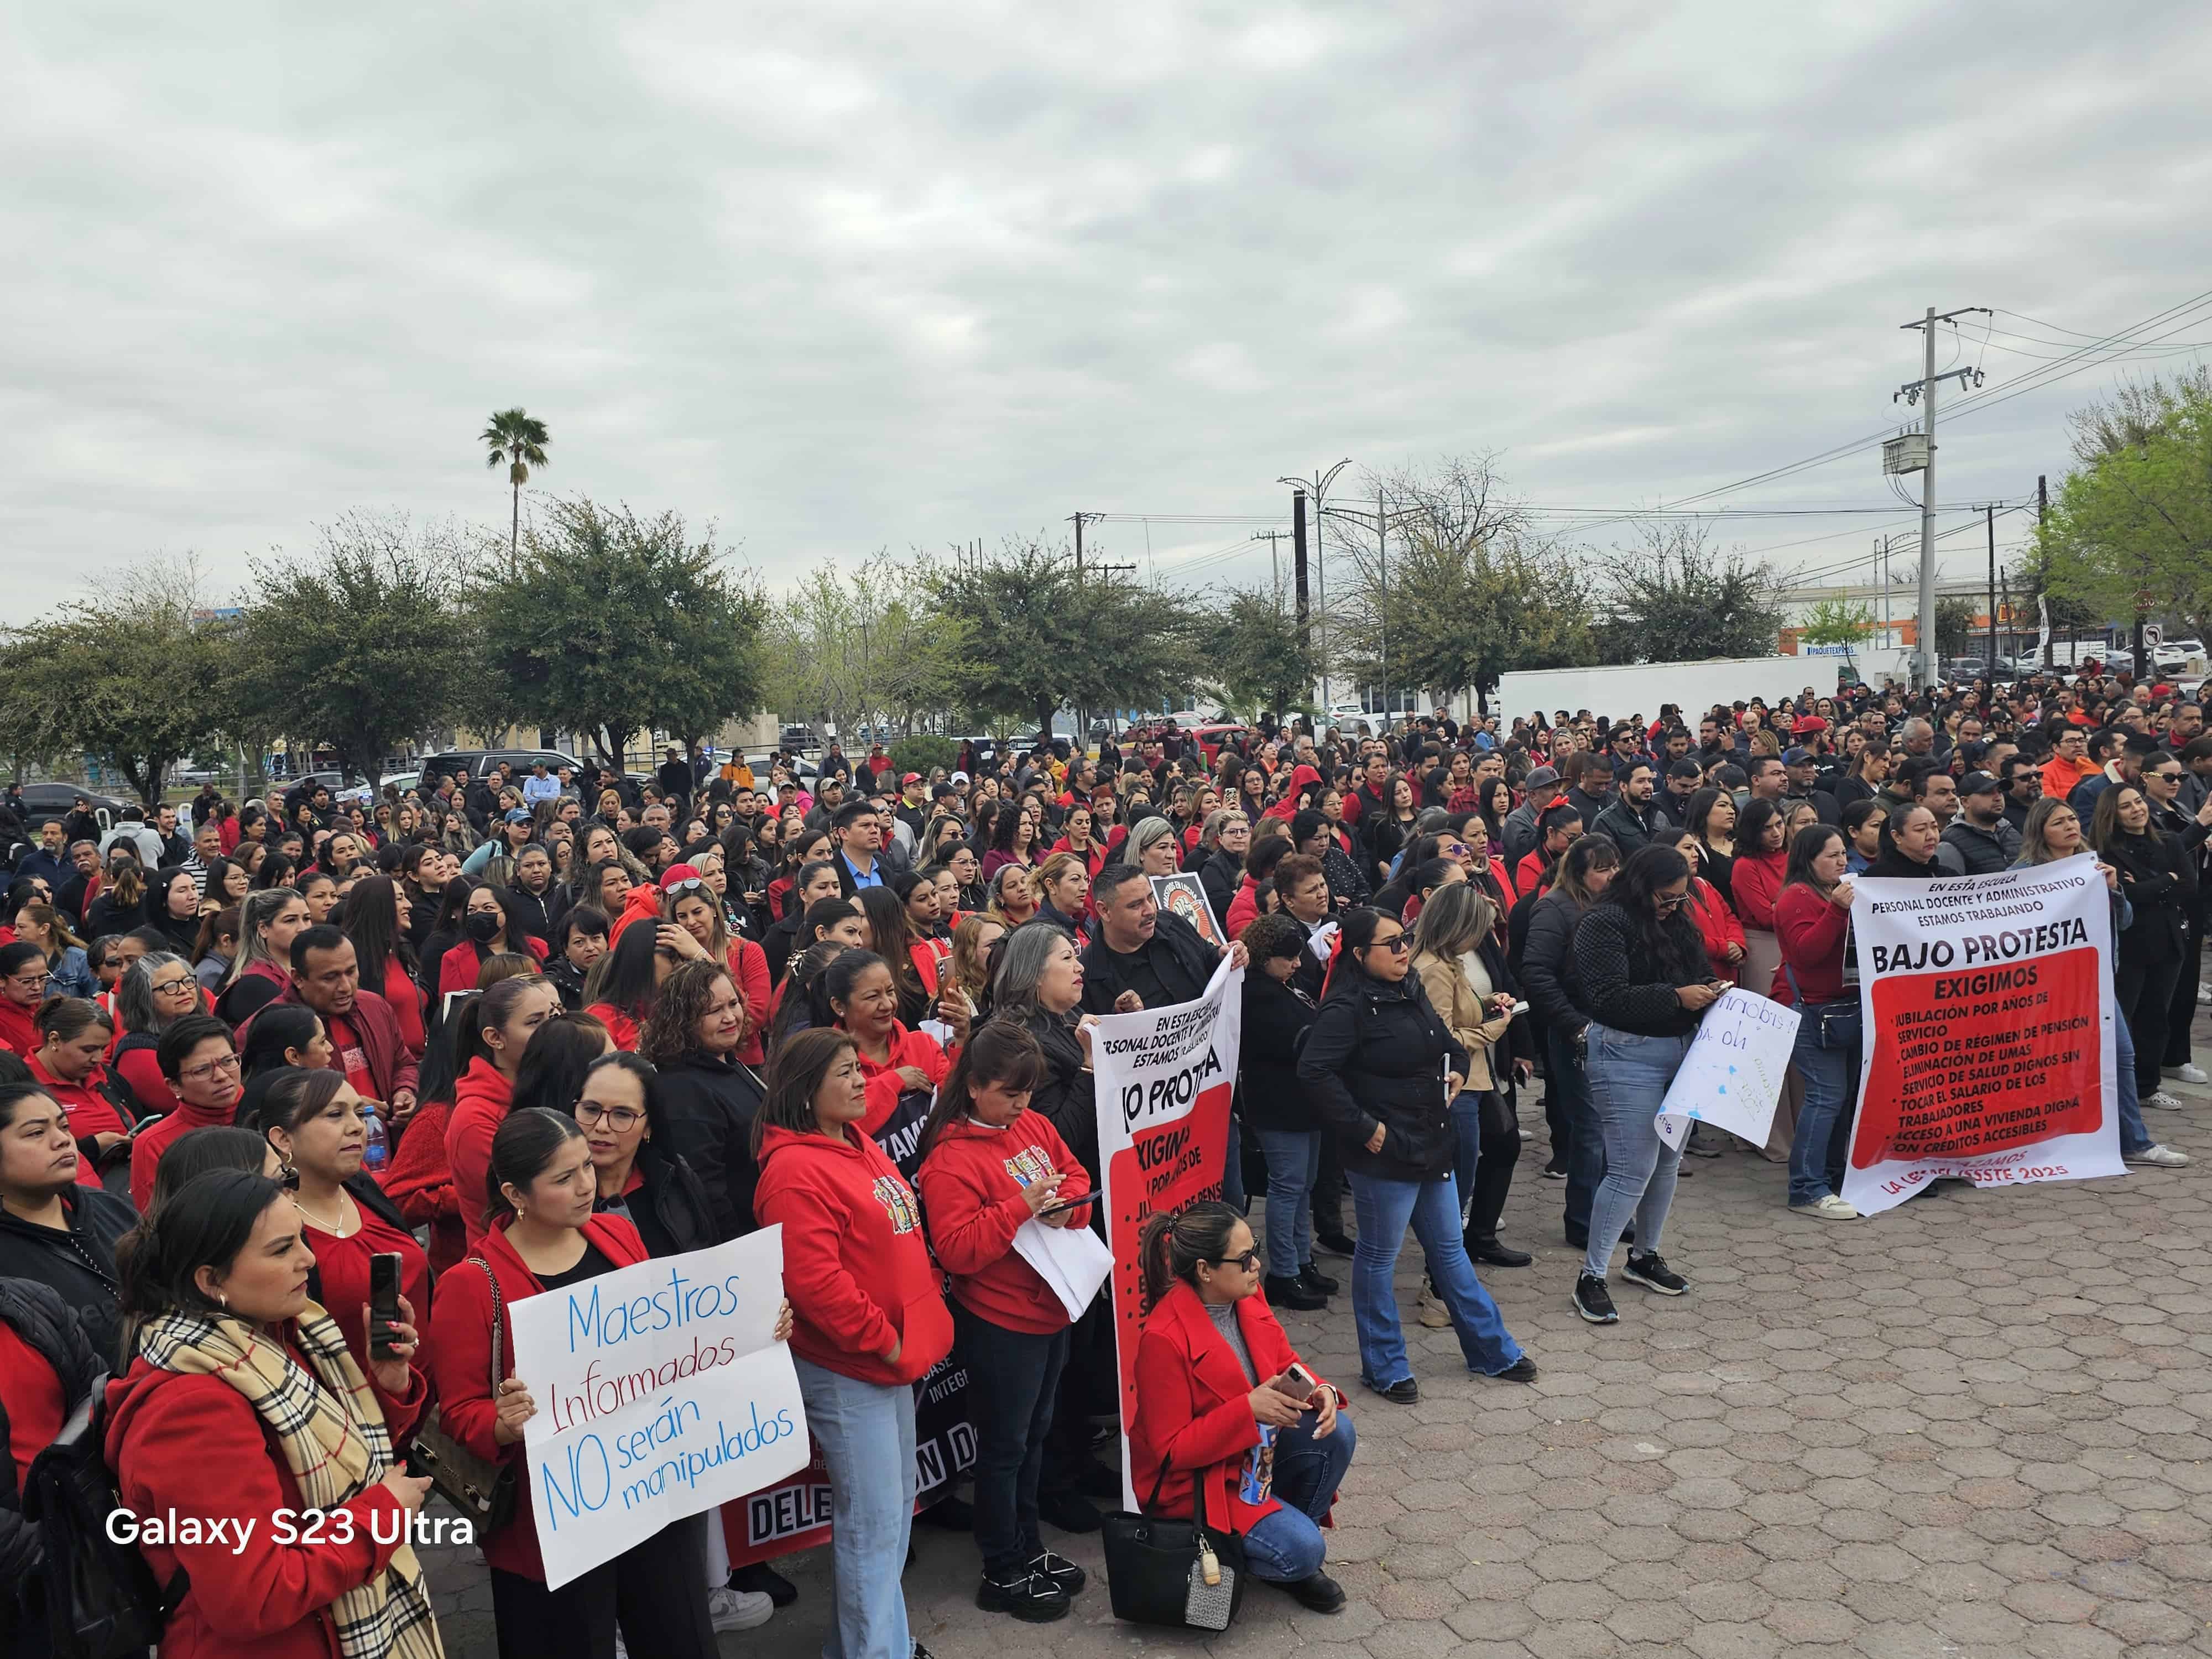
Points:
point(519, 441)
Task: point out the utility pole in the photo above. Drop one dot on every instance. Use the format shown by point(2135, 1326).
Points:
point(1382, 614)
point(1077, 519)
point(1991, 513)
point(1912, 390)
point(1318, 485)
point(2043, 569)
point(1298, 569)
point(1274, 559)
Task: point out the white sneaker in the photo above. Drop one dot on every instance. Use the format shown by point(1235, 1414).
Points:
point(620, 1652)
point(1431, 1312)
point(2186, 1072)
point(2204, 992)
point(734, 1609)
point(2163, 1101)
point(1828, 1207)
point(2163, 1158)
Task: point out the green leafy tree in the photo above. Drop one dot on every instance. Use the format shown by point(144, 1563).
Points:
point(1674, 597)
point(1836, 621)
point(132, 679)
point(1253, 656)
point(612, 624)
point(2130, 528)
point(1955, 635)
point(870, 646)
point(1052, 639)
point(358, 644)
point(517, 442)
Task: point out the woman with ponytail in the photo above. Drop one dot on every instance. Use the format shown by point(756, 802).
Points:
point(496, 1026)
point(242, 1401)
point(1232, 1429)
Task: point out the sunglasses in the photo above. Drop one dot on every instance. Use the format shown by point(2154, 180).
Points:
point(1397, 944)
point(1248, 1262)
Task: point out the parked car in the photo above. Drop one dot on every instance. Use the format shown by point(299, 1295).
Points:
point(60, 799)
point(363, 793)
point(479, 763)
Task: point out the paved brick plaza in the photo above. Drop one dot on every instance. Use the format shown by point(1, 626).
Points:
point(1978, 1427)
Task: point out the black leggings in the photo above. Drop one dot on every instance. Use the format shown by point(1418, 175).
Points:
point(2144, 992)
point(656, 1589)
point(1499, 1150)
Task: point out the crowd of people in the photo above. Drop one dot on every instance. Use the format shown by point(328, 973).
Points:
point(518, 1032)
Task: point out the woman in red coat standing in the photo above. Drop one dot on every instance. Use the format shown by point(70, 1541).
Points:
point(868, 1319)
point(237, 1374)
point(544, 1237)
point(493, 1028)
point(1222, 1394)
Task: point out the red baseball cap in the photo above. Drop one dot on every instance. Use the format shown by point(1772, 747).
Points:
point(1808, 724)
point(911, 777)
point(677, 874)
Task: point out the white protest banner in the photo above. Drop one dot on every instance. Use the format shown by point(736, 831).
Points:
point(1165, 1078)
point(661, 1392)
point(1987, 1005)
point(1732, 1076)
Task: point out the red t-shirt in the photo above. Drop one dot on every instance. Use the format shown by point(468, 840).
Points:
point(343, 1264)
point(32, 1395)
point(352, 1059)
point(90, 1112)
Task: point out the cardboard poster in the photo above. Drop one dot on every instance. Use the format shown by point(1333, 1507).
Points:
point(1732, 1076)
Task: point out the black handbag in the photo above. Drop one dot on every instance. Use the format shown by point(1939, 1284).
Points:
point(1163, 1570)
point(482, 1489)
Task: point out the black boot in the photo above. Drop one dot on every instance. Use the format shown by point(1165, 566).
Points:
point(1292, 1293)
point(1315, 1279)
point(1491, 1254)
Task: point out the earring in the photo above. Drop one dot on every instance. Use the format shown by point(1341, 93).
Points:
point(223, 1299)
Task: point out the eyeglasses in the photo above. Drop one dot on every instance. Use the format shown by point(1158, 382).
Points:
point(1397, 944)
point(620, 1117)
point(173, 984)
point(202, 1073)
point(1248, 1262)
point(1666, 902)
point(2164, 777)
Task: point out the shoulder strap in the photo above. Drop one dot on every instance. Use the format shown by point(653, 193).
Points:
point(498, 1322)
point(1152, 1502)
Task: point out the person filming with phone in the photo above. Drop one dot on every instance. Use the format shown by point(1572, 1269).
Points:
point(1232, 1427)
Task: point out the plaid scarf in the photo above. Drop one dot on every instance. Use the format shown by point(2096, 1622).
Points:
point(335, 1442)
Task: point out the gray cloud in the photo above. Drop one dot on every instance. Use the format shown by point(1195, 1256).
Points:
point(844, 276)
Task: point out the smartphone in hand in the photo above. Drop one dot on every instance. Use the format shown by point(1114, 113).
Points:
point(383, 1300)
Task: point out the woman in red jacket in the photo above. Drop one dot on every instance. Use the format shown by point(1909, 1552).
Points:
point(491, 932)
point(1813, 922)
point(73, 1035)
point(544, 1238)
point(856, 995)
point(244, 1404)
point(1762, 863)
point(868, 1322)
point(1716, 923)
point(494, 1028)
point(1221, 1396)
point(989, 1165)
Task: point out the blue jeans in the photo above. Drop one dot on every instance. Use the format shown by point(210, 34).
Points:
point(1384, 1208)
point(1232, 1172)
point(1287, 1545)
point(1628, 1079)
point(1832, 1084)
point(866, 1432)
point(1293, 1165)
point(2135, 1136)
point(1466, 1140)
point(1584, 1155)
point(1013, 1379)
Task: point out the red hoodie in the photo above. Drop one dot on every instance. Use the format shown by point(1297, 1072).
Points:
point(971, 1191)
point(855, 1267)
point(460, 1367)
point(195, 1445)
point(421, 1182)
point(1287, 807)
point(915, 1049)
point(480, 1102)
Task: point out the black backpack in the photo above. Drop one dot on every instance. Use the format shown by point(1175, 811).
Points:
point(101, 1601)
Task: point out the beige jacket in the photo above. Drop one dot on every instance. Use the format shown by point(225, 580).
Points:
point(1456, 1004)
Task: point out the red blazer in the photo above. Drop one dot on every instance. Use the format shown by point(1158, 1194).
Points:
point(1192, 1405)
point(1718, 926)
point(460, 1366)
point(166, 1434)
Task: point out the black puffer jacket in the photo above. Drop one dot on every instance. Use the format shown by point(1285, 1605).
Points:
point(703, 1109)
point(1548, 978)
point(1376, 1054)
point(1221, 875)
point(670, 1210)
point(37, 1313)
point(78, 1264)
point(1068, 1096)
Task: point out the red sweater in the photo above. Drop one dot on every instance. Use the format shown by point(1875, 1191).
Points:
point(1754, 883)
point(17, 1034)
point(620, 1026)
point(460, 1366)
point(914, 1049)
point(405, 997)
point(855, 1267)
point(342, 1266)
point(480, 1102)
point(748, 970)
point(167, 1434)
point(971, 1192)
point(155, 1139)
point(1244, 909)
point(1810, 932)
point(458, 968)
point(421, 1182)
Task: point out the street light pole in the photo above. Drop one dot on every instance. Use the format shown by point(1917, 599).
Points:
point(1319, 484)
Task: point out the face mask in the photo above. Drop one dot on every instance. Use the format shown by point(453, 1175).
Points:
point(483, 927)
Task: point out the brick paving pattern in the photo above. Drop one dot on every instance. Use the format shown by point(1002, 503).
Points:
point(1978, 1427)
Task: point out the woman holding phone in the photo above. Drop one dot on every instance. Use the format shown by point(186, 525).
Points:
point(989, 1165)
point(1232, 1429)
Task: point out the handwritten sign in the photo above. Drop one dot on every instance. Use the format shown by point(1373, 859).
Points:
point(661, 1392)
point(1732, 1076)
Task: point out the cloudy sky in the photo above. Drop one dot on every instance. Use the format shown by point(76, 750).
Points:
point(838, 277)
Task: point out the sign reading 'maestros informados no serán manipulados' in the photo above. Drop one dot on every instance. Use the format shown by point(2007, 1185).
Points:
point(1988, 1015)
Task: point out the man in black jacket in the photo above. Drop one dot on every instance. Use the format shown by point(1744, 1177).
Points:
point(1142, 957)
point(1632, 821)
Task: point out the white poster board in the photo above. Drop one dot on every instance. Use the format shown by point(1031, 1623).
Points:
point(1732, 1076)
point(661, 1392)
